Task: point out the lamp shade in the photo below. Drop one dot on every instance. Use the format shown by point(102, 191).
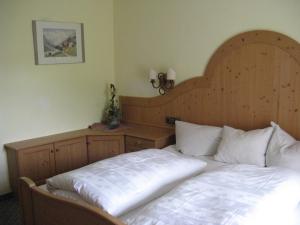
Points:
point(152, 74)
point(171, 74)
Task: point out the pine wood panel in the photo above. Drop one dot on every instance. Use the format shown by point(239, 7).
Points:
point(70, 154)
point(37, 162)
point(19, 145)
point(13, 169)
point(252, 79)
point(102, 147)
point(43, 208)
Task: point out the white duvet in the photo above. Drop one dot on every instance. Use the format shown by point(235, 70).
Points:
point(129, 180)
point(229, 195)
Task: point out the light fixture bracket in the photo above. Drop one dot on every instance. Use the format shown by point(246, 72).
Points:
point(162, 83)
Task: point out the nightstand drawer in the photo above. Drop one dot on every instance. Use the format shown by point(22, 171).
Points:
point(134, 144)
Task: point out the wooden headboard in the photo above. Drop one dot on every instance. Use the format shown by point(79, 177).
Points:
point(252, 79)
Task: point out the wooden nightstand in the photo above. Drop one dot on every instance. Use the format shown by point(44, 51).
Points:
point(138, 137)
point(143, 137)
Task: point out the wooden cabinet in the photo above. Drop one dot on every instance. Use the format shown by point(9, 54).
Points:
point(41, 158)
point(71, 154)
point(102, 147)
point(44, 161)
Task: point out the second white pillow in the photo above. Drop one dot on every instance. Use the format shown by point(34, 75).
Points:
point(238, 146)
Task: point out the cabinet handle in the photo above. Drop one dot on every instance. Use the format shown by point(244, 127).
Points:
point(51, 151)
point(57, 150)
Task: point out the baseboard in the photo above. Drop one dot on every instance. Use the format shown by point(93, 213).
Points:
point(7, 196)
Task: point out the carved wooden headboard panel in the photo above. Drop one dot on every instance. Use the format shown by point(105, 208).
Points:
point(251, 79)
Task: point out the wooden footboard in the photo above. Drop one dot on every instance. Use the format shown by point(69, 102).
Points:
point(42, 208)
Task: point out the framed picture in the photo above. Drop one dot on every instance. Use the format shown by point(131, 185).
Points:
point(58, 42)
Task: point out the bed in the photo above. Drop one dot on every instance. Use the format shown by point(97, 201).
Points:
point(252, 79)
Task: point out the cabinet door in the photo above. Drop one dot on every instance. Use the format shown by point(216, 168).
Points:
point(70, 154)
point(37, 163)
point(102, 147)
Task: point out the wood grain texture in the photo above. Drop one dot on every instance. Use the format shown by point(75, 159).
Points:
point(25, 197)
point(252, 79)
point(102, 147)
point(70, 155)
point(56, 138)
point(37, 162)
point(131, 129)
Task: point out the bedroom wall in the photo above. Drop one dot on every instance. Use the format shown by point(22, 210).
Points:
point(46, 99)
point(184, 34)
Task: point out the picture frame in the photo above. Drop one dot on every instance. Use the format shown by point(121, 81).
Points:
point(58, 42)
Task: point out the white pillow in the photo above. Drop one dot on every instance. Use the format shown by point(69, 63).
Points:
point(238, 146)
point(197, 140)
point(283, 150)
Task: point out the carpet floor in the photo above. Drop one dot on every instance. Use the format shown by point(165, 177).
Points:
point(9, 211)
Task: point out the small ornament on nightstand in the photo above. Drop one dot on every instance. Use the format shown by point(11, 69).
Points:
point(112, 111)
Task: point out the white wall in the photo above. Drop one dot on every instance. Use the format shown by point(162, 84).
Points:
point(46, 99)
point(183, 34)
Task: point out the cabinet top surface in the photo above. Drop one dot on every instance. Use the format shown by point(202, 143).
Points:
point(151, 133)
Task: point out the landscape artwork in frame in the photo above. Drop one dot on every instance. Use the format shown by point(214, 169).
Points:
point(58, 42)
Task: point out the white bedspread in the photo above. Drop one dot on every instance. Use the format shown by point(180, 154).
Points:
point(129, 180)
point(230, 195)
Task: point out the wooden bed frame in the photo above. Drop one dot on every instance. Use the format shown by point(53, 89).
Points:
point(252, 79)
point(42, 208)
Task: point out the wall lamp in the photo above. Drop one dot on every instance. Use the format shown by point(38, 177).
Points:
point(163, 81)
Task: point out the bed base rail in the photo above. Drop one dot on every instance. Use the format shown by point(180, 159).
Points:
point(42, 208)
